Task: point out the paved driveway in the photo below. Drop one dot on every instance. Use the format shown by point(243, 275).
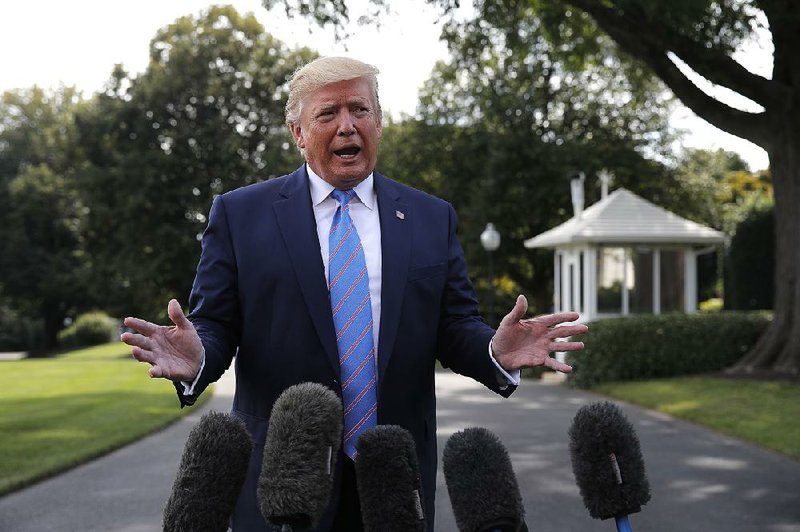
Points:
point(700, 481)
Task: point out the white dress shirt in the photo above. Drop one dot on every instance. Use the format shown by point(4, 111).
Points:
point(364, 213)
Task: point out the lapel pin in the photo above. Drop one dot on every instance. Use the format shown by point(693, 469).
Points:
point(400, 215)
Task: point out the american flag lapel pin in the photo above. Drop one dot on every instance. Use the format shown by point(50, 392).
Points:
point(400, 214)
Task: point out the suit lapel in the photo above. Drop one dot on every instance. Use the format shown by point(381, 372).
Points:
point(295, 215)
point(396, 253)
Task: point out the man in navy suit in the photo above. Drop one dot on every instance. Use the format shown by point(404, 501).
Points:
point(261, 291)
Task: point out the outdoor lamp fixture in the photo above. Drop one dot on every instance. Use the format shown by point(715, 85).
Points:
point(490, 240)
point(576, 188)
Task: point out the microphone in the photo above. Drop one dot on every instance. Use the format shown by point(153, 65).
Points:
point(607, 463)
point(303, 439)
point(210, 475)
point(480, 480)
point(388, 479)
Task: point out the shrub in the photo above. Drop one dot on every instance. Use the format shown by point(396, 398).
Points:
point(92, 328)
point(645, 347)
point(714, 304)
point(750, 265)
point(19, 333)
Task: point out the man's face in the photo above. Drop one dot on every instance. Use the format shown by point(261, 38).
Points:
point(339, 130)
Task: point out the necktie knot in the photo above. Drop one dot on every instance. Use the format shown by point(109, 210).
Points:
point(343, 196)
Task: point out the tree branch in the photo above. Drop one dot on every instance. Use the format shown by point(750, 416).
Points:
point(716, 66)
point(634, 40)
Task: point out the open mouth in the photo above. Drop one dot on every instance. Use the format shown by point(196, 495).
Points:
point(348, 153)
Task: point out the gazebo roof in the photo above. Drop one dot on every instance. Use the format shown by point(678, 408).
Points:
point(622, 217)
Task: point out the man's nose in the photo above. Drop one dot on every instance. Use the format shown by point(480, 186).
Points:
point(346, 125)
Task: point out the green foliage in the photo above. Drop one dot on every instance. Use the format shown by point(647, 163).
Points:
point(750, 279)
point(504, 122)
point(646, 347)
point(715, 304)
point(717, 189)
point(19, 332)
point(91, 328)
point(204, 118)
point(42, 265)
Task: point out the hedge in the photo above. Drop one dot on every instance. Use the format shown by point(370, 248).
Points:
point(92, 328)
point(648, 346)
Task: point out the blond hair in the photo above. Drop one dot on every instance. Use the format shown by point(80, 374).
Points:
point(324, 71)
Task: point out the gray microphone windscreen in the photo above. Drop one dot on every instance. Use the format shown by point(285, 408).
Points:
point(303, 439)
point(481, 483)
point(389, 487)
point(210, 475)
point(607, 461)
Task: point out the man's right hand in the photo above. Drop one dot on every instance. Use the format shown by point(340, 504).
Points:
point(174, 353)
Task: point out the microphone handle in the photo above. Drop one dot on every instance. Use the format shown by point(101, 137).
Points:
point(623, 525)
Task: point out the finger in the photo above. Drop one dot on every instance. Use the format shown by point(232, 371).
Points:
point(566, 346)
point(554, 319)
point(136, 340)
point(157, 372)
point(567, 330)
point(143, 355)
point(552, 363)
point(176, 314)
point(516, 314)
point(142, 326)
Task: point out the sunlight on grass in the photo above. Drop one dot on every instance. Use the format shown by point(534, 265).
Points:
point(681, 406)
point(764, 413)
point(58, 412)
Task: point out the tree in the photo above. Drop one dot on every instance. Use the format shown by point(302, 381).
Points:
point(703, 35)
point(43, 268)
point(503, 123)
point(205, 117)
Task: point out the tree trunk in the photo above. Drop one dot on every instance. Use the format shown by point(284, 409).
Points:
point(778, 349)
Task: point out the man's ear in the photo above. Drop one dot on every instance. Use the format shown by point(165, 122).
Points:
point(379, 128)
point(297, 133)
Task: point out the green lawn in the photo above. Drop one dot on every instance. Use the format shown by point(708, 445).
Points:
point(58, 412)
point(764, 413)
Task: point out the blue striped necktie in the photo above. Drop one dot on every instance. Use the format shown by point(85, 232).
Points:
point(352, 317)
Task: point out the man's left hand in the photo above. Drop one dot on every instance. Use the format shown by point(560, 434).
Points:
point(521, 343)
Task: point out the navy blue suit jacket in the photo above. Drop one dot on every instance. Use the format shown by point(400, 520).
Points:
point(260, 293)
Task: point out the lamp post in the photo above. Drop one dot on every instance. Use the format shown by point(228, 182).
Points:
point(490, 240)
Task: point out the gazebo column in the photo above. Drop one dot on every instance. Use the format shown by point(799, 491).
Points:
point(626, 254)
point(689, 281)
point(656, 281)
point(589, 283)
point(558, 305)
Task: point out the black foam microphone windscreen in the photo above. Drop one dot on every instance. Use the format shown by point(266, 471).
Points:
point(303, 439)
point(210, 475)
point(481, 483)
point(607, 461)
point(389, 487)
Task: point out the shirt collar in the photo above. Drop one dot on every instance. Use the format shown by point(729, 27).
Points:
point(321, 189)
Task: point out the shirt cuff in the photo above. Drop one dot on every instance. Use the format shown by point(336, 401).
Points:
point(504, 378)
point(188, 387)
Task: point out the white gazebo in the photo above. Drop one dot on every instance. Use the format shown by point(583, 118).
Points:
point(625, 255)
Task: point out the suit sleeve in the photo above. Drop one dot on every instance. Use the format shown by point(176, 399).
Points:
point(214, 302)
point(463, 340)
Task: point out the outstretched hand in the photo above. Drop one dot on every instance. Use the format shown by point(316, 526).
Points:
point(521, 343)
point(174, 352)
